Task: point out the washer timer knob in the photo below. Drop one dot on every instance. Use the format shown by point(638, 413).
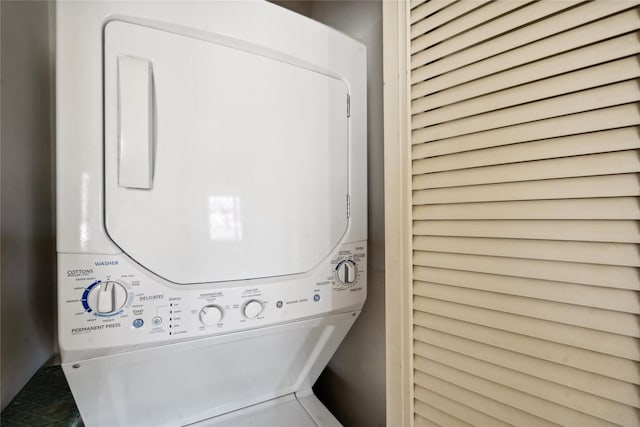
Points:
point(346, 272)
point(107, 297)
point(211, 314)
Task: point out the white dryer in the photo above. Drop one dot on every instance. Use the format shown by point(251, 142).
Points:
point(211, 188)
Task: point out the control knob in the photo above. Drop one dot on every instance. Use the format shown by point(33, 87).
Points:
point(346, 272)
point(252, 309)
point(211, 314)
point(107, 297)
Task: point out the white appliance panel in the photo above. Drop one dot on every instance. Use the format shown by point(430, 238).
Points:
point(293, 410)
point(149, 311)
point(227, 164)
point(192, 381)
point(284, 411)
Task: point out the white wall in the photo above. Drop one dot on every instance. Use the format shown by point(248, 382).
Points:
point(353, 385)
point(27, 251)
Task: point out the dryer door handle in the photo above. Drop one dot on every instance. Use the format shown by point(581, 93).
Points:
point(135, 122)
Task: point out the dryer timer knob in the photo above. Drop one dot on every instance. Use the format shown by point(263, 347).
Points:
point(346, 272)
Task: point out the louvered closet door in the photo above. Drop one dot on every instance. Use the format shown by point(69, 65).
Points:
point(525, 169)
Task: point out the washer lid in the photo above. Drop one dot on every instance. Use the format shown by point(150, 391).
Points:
point(220, 163)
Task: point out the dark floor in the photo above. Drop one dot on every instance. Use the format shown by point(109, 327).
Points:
point(45, 401)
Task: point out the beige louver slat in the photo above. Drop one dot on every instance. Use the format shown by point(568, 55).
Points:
point(590, 121)
point(618, 47)
point(578, 102)
point(610, 72)
point(622, 254)
point(560, 271)
point(436, 20)
point(600, 320)
point(618, 391)
point(445, 33)
point(442, 418)
point(540, 345)
point(621, 300)
point(612, 26)
point(563, 167)
point(525, 185)
point(466, 415)
point(423, 9)
point(481, 403)
point(536, 31)
point(620, 139)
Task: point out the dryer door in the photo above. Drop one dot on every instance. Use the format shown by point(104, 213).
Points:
point(221, 162)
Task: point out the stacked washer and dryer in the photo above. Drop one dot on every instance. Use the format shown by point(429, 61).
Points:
point(211, 185)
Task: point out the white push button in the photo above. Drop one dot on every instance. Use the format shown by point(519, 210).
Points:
point(252, 309)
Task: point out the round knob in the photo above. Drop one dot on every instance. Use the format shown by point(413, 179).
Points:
point(107, 297)
point(346, 272)
point(211, 314)
point(252, 309)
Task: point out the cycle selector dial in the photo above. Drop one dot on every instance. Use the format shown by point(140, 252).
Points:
point(252, 309)
point(346, 272)
point(211, 314)
point(107, 297)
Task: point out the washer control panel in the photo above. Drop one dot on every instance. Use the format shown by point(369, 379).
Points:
point(112, 301)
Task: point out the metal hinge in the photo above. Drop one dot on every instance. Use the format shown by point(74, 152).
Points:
point(348, 105)
point(348, 206)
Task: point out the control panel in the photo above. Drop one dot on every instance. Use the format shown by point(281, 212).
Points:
point(113, 302)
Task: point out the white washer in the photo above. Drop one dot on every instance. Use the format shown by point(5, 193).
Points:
point(211, 161)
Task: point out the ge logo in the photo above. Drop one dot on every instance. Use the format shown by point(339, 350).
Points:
point(279, 304)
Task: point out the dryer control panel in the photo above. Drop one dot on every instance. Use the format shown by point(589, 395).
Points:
point(111, 302)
